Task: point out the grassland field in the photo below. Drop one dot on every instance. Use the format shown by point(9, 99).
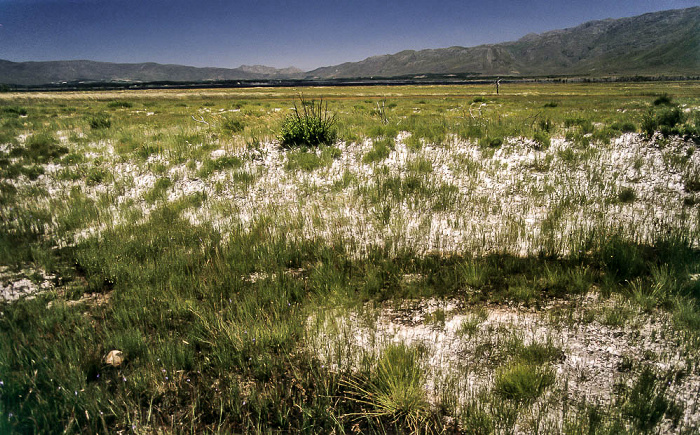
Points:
point(454, 261)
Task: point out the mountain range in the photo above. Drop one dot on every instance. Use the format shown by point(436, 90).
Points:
point(52, 72)
point(666, 42)
point(658, 43)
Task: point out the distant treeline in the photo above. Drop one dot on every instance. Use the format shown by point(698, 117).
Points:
point(428, 79)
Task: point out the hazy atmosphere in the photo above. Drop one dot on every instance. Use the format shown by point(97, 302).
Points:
point(304, 34)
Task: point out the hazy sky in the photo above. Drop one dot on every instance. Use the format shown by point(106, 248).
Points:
point(306, 34)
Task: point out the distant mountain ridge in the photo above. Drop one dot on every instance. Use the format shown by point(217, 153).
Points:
point(666, 42)
point(40, 73)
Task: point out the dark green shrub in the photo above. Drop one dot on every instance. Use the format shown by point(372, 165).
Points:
point(491, 142)
point(32, 172)
point(7, 193)
point(99, 121)
point(691, 180)
point(546, 125)
point(41, 147)
point(542, 140)
point(626, 195)
point(669, 120)
point(232, 125)
point(670, 117)
point(663, 100)
point(119, 104)
point(649, 123)
point(72, 159)
point(312, 125)
point(585, 125)
point(625, 127)
point(551, 104)
point(620, 259)
point(96, 176)
point(14, 111)
point(690, 201)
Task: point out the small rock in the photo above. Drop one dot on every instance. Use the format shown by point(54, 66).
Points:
point(114, 358)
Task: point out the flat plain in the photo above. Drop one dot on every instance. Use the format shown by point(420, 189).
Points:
point(454, 261)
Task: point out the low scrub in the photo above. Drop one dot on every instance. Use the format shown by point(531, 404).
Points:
point(119, 104)
point(381, 148)
point(312, 125)
point(99, 121)
point(219, 164)
point(232, 125)
point(13, 111)
point(491, 142)
point(523, 383)
point(626, 195)
point(646, 403)
point(667, 118)
point(40, 148)
point(395, 390)
point(309, 160)
point(542, 140)
point(624, 127)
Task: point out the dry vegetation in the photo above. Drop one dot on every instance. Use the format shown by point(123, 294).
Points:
point(444, 259)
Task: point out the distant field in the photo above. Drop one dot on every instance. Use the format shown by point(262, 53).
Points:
point(456, 260)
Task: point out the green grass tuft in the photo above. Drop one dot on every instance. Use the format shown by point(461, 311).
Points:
point(523, 383)
point(99, 121)
point(312, 125)
point(381, 148)
point(395, 390)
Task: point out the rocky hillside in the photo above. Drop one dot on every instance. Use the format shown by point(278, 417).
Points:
point(666, 42)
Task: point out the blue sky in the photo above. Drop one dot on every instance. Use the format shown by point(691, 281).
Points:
point(306, 34)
